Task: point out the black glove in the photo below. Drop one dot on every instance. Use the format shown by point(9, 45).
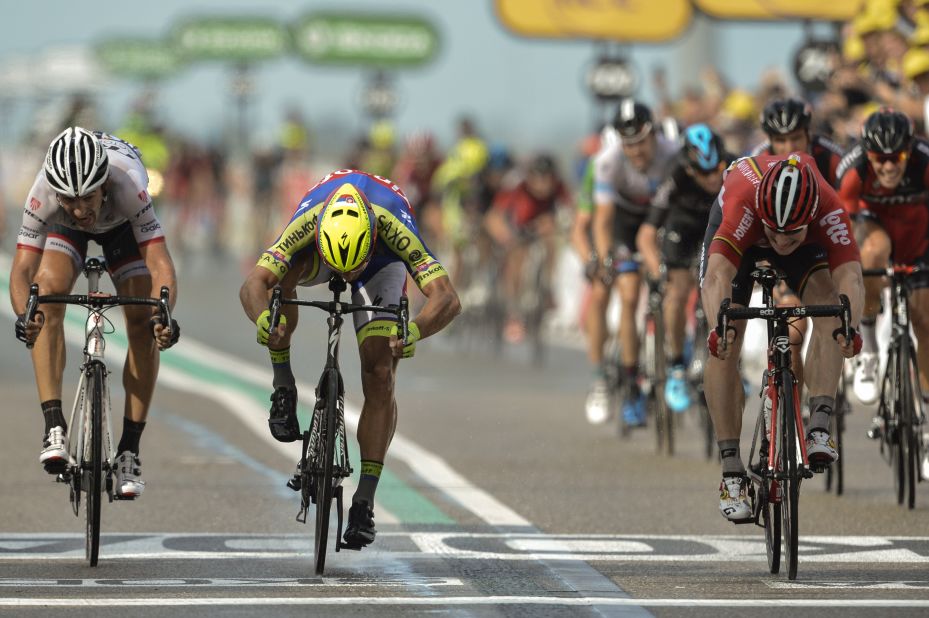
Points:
point(608, 271)
point(20, 328)
point(592, 267)
point(175, 329)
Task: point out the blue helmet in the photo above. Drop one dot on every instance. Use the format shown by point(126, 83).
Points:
point(701, 149)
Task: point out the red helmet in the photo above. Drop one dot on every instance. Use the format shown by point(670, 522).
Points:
point(787, 197)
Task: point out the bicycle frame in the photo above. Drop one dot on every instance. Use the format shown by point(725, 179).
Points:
point(319, 475)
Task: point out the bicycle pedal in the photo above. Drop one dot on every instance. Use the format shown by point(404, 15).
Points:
point(118, 497)
point(294, 482)
point(739, 522)
point(59, 467)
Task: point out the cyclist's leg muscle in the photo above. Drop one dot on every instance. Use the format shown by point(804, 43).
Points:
point(629, 285)
point(875, 247)
point(379, 412)
point(823, 356)
point(596, 322)
point(722, 386)
point(141, 368)
point(680, 283)
point(56, 275)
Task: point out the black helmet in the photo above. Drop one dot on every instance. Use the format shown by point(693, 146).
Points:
point(633, 120)
point(543, 164)
point(702, 149)
point(782, 116)
point(887, 131)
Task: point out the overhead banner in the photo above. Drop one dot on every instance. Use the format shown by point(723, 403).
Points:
point(833, 10)
point(637, 21)
point(138, 58)
point(367, 40)
point(231, 38)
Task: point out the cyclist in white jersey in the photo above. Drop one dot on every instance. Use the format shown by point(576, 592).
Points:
point(93, 186)
point(627, 174)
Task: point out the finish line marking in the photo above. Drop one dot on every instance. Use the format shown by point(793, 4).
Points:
point(237, 582)
point(460, 601)
point(472, 546)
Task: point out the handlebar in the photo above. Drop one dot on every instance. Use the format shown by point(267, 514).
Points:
point(894, 270)
point(338, 308)
point(728, 313)
point(96, 301)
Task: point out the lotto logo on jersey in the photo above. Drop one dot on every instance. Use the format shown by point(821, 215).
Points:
point(34, 204)
point(836, 229)
point(143, 196)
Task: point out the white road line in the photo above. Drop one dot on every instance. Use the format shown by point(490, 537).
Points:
point(233, 582)
point(460, 601)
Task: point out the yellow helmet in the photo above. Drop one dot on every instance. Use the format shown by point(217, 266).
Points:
point(346, 230)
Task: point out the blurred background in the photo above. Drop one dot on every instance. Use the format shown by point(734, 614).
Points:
point(239, 106)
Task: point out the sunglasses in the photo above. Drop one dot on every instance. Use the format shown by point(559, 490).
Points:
point(879, 158)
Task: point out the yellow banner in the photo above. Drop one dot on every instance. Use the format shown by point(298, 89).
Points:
point(620, 20)
point(833, 10)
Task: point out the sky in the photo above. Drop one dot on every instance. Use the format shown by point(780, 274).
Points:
point(528, 93)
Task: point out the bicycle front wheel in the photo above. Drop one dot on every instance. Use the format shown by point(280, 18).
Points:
point(910, 425)
point(93, 472)
point(322, 468)
point(790, 484)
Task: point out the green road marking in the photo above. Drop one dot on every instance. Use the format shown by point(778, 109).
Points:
point(407, 504)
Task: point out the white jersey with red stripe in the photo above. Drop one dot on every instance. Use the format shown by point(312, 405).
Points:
point(127, 199)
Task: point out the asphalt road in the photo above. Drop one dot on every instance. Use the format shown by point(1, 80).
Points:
point(499, 499)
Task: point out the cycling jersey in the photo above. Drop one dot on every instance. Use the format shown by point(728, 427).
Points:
point(520, 207)
point(824, 151)
point(734, 226)
point(903, 212)
point(617, 182)
point(127, 200)
point(398, 239)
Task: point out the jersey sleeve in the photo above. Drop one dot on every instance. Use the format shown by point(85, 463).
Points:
point(401, 236)
point(39, 207)
point(604, 169)
point(833, 229)
point(299, 235)
point(739, 228)
point(661, 203)
point(850, 185)
point(128, 188)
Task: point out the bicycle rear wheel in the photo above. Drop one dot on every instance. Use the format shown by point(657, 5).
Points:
point(322, 468)
point(910, 440)
point(664, 429)
point(790, 484)
point(93, 472)
point(895, 427)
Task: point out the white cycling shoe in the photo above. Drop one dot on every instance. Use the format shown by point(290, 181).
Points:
point(733, 498)
point(129, 483)
point(820, 448)
point(865, 383)
point(597, 406)
point(54, 447)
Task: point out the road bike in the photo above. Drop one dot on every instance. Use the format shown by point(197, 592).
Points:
point(695, 379)
point(899, 419)
point(324, 458)
point(835, 474)
point(655, 370)
point(91, 456)
point(781, 462)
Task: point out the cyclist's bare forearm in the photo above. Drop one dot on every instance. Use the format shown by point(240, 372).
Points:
point(580, 235)
point(161, 267)
point(603, 228)
point(848, 281)
point(442, 305)
point(646, 242)
point(717, 285)
point(22, 274)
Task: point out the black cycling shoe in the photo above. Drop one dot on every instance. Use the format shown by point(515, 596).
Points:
point(283, 420)
point(360, 531)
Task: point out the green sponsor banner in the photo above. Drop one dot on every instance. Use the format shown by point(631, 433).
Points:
point(138, 58)
point(231, 38)
point(367, 40)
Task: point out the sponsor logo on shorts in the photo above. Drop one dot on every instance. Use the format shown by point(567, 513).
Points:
point(836, 229)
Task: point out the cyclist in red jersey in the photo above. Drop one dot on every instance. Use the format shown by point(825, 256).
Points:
point(782, 211)
point(885, 186)
point(786, 122)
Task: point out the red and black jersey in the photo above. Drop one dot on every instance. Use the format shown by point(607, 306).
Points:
point(740, 228)
point(521, 207)
point(903, 212)
point(824, 151)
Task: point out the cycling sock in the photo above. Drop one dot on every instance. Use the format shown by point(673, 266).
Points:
point(868, 335)
point(280, 363)
point(51, 410)
point(132, 433)
point(821, 408)
point(732, 461)
point(367, 483)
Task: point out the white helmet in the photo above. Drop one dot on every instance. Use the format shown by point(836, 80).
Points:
point(76, 162)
